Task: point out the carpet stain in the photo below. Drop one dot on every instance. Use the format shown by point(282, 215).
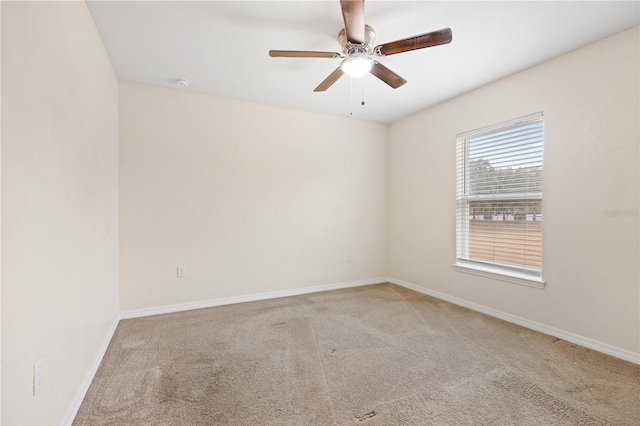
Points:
point(366, 416)
point(191, 379)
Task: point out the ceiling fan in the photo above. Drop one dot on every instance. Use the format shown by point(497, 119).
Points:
point(356, 40)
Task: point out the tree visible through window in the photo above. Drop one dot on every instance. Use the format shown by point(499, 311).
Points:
point(499, 197)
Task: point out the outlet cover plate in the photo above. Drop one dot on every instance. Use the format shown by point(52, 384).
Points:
point(182, 272)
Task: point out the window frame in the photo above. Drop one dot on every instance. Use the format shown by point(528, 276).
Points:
point(489, 270)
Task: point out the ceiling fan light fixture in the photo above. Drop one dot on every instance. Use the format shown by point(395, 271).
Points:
point(356, 65)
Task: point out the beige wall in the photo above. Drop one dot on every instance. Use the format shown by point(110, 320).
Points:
point(59, 204)
point(590, 103)
point(249, 198)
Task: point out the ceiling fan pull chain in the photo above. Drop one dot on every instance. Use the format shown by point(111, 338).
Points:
point(351, 96)
point(362, 103)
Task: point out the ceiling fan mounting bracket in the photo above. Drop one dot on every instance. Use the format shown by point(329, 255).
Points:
point(367, 45)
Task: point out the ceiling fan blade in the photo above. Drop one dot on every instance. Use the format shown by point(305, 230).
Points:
point(333, 77)
point(353, 15)
point(434, 38)
point(302, 54)
point(386, 75)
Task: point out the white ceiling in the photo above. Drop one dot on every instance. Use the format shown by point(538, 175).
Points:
point(222, 47)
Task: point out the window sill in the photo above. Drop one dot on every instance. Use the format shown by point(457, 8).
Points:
point(498, 274)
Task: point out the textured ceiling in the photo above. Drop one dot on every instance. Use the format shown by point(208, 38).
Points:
point(222, 47)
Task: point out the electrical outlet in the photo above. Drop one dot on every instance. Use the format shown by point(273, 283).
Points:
point(349, 258)
point(38, 378)
point(182, 272)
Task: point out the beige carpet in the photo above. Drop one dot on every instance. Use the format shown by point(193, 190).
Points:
point(375, 355)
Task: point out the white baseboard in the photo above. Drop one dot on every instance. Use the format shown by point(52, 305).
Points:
point(542, 328)
point(84, 387)
point(144, 312)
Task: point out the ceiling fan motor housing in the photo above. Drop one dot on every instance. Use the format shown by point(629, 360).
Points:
point(367, 46)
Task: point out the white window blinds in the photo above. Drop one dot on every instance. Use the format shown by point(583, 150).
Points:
point(499, 196)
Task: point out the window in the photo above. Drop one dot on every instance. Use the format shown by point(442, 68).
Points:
point(499, 201)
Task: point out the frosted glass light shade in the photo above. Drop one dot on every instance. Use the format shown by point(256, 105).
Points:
point(356, 66)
